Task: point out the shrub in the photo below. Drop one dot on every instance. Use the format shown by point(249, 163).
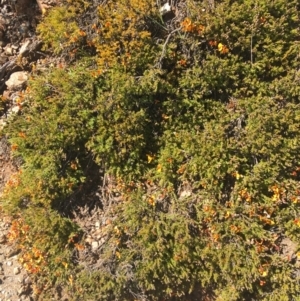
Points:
point(197, 118)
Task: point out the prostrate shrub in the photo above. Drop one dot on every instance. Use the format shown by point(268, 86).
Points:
point(196, 117)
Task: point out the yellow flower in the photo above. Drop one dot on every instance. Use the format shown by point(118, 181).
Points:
point(150, 158)
point(222, 48)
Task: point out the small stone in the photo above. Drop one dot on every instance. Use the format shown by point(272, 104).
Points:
point(17, 270)
point(24, 47)
point(27, 280)
point(15, 109)
point(9, 263)
point(17, 80)
point(88, 240)
point(95, 245)
point(185, 194)
point(97, 224)
point(8, 50)
point(102, 240)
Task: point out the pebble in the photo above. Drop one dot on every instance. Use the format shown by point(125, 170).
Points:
point(9, 263)
point(88, 240)
point(17, 80)
point(24, 47)
point(15, 109)
point(8, 50)
point(95, 245)
point(27, 280)
point(17, 270)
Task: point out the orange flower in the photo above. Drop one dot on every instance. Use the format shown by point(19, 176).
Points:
point(82, 33)
point(73, 165)
point(245, 195)
point(297, 222)
point(188, 26)
point(90, 43)
point(200, 29)
point(182, 63)
point(222, 48)
point(212, 43)
point(14, 147)
point(262, 20)
point(262, 283)
point(181, 169)
point(151, 200)
point(234, 229)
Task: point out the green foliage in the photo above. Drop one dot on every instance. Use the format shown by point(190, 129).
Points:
point(58, 119)
point(56, 29)
point(198, 119)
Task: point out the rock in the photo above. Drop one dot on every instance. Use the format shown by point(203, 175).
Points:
point(15, 109)
point(184, 194)
point(24, 47)
point(17, 80)
point(27, 280)
point(8, 50)
point(9, 263)
point(95, 245)
point(88, 240)
point(17, 270)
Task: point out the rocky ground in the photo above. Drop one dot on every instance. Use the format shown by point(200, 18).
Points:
point(19, 48)
point(15, 284)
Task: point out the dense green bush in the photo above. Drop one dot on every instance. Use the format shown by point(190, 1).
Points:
point(198, 120)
